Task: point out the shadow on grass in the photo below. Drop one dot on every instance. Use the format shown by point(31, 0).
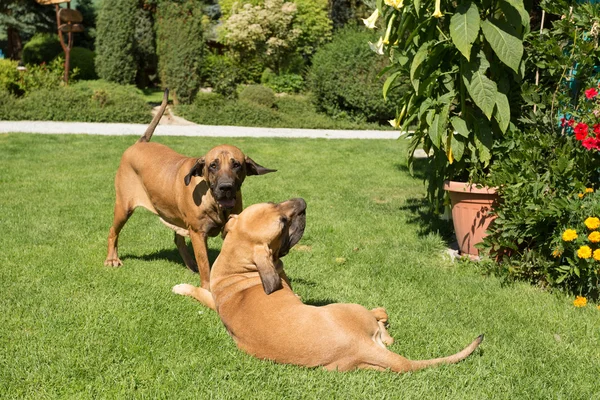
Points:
point(419, 168)
point(171, 255)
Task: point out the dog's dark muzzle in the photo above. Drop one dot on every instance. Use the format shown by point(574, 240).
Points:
point(224, 193)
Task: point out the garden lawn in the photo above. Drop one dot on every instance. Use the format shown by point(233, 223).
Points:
point(72, 328)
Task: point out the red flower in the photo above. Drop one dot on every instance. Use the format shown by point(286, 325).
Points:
point(597, 131)
point(571, 122)
point(581, 131)
point(591, 93)
point(563, 120)
point(591, 143)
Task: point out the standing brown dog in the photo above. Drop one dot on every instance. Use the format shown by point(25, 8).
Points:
point(252, 295)
point(192, 196)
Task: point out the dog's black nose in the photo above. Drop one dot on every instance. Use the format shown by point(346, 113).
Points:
point(225, 187)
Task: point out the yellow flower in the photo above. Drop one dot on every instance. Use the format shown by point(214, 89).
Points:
point(584, 252)
point(569, 235)
point(437, 13)
point(580, 195)
point(594, 237)
point(598, 307)
point(370, 22)
point(395, 123)
point(597, 254)
point(580, 301)
point(397, 4)
point(589, 190)
point(592, 223)
point(388, 32)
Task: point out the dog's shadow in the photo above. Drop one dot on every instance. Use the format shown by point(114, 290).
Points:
point(170, 255)
point(319, 302)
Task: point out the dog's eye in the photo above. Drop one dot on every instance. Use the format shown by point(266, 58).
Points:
point(213, 165)
point(236, 165)
point(284, 220)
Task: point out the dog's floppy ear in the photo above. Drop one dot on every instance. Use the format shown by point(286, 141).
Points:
point(195, 171)
point(252, 168)
point(263, 257)
point(229, 225)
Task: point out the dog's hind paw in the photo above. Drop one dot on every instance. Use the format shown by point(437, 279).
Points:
point(184, 289)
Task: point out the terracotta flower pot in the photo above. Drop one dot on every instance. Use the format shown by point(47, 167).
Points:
point(470, 213)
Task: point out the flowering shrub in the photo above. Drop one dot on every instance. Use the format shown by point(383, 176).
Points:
point(576, 245)
point(584, 120)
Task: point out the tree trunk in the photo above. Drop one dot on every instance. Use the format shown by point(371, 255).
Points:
point(15, 45)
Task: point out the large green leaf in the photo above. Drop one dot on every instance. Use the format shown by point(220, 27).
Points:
point(481, 88)
point(417, 61)
point(388, 83)
point(458, 148)
point(504, 41)
point(460, 126)
point(484, 140)
point(434, 131)
point(502, 113)
point(464, 28)
point(520, 7)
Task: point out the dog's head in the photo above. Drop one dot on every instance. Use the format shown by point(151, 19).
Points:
point(271, 229)
point(224, 168)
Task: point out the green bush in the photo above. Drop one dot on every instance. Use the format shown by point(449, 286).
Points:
point(343, 78)
point(179, 45)
point(89, 101)
point(42, 48)
point(43, 76)
point(9, 77)
point(83, 59)
point(115, 31)
point(282, 83)
point(258, 94)
point(224, 74)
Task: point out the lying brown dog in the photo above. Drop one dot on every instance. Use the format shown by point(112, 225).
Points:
point(192, 196)
point(266, 319)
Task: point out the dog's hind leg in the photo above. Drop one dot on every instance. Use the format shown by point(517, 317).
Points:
point(202, 295)
point(382, 318)
point(185, 254)
point(122, 214)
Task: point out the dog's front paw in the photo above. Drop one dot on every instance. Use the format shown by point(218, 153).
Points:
point(113, 262)
point(184, 289)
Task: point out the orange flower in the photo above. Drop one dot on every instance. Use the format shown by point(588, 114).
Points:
point(597, 254)
point(580, 301)
point(580, 195)
point(594, 237)
point(556, 253)
point(589, 190)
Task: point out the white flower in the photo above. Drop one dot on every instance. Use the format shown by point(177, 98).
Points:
point(370, 22)
point(378, 47)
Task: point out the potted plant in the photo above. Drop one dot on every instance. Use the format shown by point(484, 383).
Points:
point(464, 62)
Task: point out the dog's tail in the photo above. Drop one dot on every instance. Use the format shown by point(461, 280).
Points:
point(148, 134)
point(386, 359)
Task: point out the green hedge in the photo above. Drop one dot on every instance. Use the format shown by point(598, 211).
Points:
point(93, 101)
point(291, 111)
point(83, 59)
point(258, 94)
point(344, 81)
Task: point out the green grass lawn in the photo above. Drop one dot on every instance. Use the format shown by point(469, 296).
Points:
point(72, 328)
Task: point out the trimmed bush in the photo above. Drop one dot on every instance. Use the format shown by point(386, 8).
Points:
point(179, 45)
point(258, 94)
point(96, 101)
point(343, 78)
point(282, 83)
point(42, 48)
point(83, 60)
point(115, 59)
point(9, 77)
point(223, 73)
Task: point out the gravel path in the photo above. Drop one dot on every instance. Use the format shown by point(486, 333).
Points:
point(186, 130)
